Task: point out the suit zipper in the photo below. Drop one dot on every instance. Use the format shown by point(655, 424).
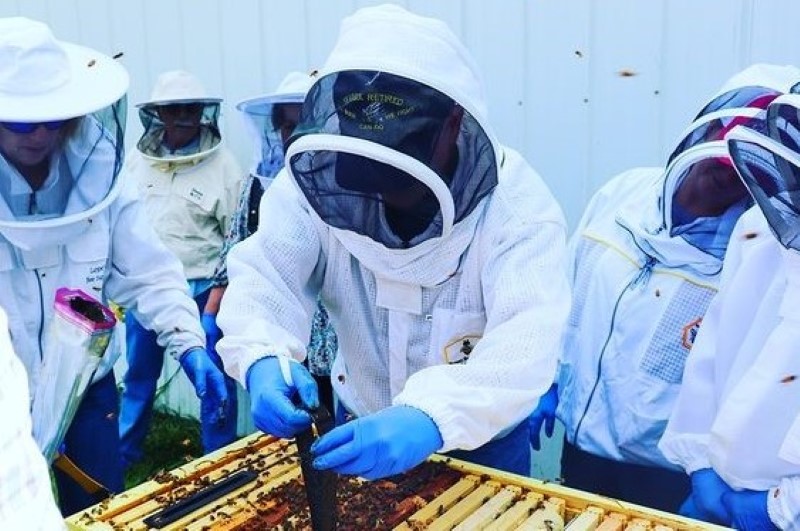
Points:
point(641, 278)
point(41, 315)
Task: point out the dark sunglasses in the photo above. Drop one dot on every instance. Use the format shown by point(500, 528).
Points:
point(24, 128)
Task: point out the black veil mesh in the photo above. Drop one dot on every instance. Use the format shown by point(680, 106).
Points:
point(358, 193)
point(738, 98)
point(774, 183)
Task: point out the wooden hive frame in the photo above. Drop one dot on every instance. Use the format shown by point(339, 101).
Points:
point(483, 498)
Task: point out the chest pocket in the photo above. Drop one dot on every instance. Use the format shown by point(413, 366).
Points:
point(454, 335)
point(88, 255)
point(194, 193)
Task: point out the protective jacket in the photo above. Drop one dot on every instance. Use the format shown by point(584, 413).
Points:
point(502, 308)
point(190, 204)
point(639, 298)
point(738, 409)
point(113, 254)
point(463, 317)
point(642, 282)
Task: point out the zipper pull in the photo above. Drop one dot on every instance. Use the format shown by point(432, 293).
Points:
point(644, 273)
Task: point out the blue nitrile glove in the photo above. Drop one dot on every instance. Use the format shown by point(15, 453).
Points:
point(545, 412)
point(705, 501)
point(385, 443)
point(748, 510)
point(205, 376)
point(213, 333)
point(272, 393)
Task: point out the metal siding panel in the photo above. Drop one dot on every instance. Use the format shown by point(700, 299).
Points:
point(10, 8)
point(163, 36)
point(624, 69)
point(128, 23)
point(322, 27)
point(698, 55)
point(202, 56)
point(503, 84)
point(243, 65)
point(774, 32)
point(94, 24)
point(556, 117)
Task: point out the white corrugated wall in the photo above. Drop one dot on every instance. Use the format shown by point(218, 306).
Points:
point(583, 88)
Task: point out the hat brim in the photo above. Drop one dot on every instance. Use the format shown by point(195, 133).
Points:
point(96, 81)
point(268, 101)
point(177, 101)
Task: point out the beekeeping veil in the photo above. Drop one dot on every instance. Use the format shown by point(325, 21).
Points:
point(769, 165)
point(392, 150)
point(262, 121)
point(181, 91)
point(742, 101)
point(46, 80)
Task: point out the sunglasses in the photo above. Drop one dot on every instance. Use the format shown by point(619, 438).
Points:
point(25, 128)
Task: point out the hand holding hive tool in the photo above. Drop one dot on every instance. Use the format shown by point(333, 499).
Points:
point(282, 392)
point(320, 484)
point(388, 442)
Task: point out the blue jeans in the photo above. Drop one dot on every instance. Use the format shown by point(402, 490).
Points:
point(659, 488)
point(145, 361)
point(92, 443)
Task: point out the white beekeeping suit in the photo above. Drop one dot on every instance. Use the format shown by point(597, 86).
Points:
point(441, 267)
point(68, 220)
point(737, 413)
point(189, 193)
point(632, 326)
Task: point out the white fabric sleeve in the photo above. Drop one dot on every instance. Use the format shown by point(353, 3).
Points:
point(685, 440)
point(527, 299)
point(26, 496)
point(273, 284)
point(148, 279)
point(783, 504)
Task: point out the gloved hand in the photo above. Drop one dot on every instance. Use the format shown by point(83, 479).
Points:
point(205, 376)
point(272, 394)
point(213, 333)
point(545, 413)
point(748, 510)
point(705, 501)
point(388, 442)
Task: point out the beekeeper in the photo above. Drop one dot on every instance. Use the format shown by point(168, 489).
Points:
point(66, 220)
point(270, 120)
point(437, 251)
point(736, 424)
point(189, 183)
point(644, 263)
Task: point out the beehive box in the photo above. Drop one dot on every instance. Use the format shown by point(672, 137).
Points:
point(261, 483)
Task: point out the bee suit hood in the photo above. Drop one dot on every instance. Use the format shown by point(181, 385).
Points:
point(741, 101)
point(393, 151)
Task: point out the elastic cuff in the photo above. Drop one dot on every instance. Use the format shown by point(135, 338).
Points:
point(774, 508)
